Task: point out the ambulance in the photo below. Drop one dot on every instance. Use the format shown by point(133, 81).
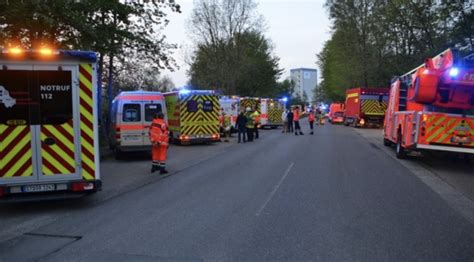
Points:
point(48, 124)
point(131, 117)
point(270, 112)
point(193, 116)
point(230, 105)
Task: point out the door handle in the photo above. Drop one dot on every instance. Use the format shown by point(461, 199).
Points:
point(49, 141)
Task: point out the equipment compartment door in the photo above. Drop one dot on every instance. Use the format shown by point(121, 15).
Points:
point(58, 135)
point(17, 136)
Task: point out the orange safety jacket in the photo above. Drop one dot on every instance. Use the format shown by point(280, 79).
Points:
point(159, 133)
point(311, 117)
point(296, 115)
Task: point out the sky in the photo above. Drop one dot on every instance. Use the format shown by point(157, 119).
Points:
point(296, 28)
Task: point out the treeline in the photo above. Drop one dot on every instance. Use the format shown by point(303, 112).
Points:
point(374, 40)
point(232, 55)
point(125, 34)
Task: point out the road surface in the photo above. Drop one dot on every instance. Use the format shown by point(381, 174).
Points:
point(329, 197)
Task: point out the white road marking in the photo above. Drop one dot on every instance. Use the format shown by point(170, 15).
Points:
point(287, 172)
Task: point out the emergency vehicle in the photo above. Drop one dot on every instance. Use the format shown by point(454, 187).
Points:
point(430, 107)
point(365, 106)
point(336, 113)
point(131, 117)
point(271, 111)
point(48, 124)
point(230, 105)
point(193, 116)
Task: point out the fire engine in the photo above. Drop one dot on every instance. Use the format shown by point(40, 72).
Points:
point(48, 125)
point(430, 107)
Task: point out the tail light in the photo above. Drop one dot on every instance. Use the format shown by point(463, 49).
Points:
point(362, 122)
point(423, 130)
point(215, 136)
point(82, 186)
point(184, 138)
point(117, 133)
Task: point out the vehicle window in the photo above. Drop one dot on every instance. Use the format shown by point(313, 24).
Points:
point(35, 97)
point(207, 106)
point(131, 113)
point(151, 110)
point(192, 106)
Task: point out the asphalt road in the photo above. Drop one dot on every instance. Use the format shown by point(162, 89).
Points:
point(328, 197)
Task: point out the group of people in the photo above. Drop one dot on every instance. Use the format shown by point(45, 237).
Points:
point(291, 120)
point(247, 124)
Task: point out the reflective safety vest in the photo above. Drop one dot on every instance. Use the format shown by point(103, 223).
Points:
point(311, 117)
point(159, 133)
point(250, 120)
point(296, 115)
point(256, 117)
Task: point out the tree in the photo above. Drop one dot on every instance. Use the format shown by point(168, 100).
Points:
point(231, 55)
point(374, 40)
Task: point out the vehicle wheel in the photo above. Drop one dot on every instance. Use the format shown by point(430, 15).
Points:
point(387, 142)
point(400, 151)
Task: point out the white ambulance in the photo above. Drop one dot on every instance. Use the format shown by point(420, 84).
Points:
point(48, 125)
point(131, 117)
point(230, 105)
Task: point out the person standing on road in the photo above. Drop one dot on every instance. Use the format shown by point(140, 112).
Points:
point(159, 137)
point(318, 116)
point(250, 124)
point(296, 119)
point(256, 117)
point(240, 125)
point(226, 126)
point(311, 119)
point(284, 119)
point(289, 118)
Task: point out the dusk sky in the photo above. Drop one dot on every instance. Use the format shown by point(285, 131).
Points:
point(297, 29)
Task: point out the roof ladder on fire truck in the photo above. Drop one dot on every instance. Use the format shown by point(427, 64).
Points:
point(402, 103)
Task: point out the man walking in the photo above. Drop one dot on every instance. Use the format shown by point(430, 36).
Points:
point(240, 125)
point(159, 137)
point(296, 119)
point(289, 118)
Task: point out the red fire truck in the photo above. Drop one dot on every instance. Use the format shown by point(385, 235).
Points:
point(430, 107)
point(365, 106)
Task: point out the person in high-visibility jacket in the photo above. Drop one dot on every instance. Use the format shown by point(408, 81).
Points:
point(250, 124)
point(296, 120)
point(256, 117)
point(311, 119)
point(159, 137)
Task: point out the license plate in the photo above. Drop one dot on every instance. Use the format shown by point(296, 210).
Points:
point(131, 138)
point(39, 188)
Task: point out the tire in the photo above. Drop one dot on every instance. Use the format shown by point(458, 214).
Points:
point(387, 142)
point(401, 153)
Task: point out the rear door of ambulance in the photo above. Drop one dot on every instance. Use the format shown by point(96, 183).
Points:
point(40, 132)
point(131, 123)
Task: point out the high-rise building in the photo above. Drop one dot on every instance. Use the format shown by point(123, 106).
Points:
point(306, 80)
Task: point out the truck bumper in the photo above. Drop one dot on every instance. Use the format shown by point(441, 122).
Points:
point(62, 190)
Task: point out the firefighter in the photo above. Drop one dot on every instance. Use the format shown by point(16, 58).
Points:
point(289, 116)
point(250, 124)
point(296, 120)
point(311, 119)
point(256, 117)
point(159, 136)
